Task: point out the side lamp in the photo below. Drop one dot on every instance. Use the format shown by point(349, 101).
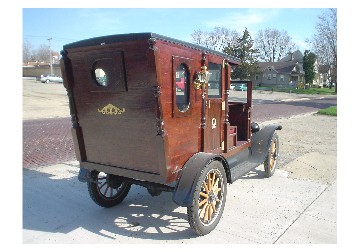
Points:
point(202, 78)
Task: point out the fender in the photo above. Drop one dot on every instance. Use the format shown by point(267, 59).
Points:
point(261, 141)
point(190, 173)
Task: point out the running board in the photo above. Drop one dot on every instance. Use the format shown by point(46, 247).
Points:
point(243, 168)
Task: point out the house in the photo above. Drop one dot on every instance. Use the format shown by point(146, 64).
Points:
point(288, 72)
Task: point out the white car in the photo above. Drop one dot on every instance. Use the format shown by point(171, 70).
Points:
point(51, 78)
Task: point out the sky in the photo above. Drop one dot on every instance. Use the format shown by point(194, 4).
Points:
point(66, 25)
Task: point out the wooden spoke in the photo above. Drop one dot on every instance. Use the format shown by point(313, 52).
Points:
point(210, 212)
point(209, 182)
point(217, 190)
point(206, 213)
point(202, 202)
point(203, 210)
point(213, 207)
point(100, 187)
point(213, 181)
point(107, 188)
point(216, 184)
point(205, 186)
point(204, 195)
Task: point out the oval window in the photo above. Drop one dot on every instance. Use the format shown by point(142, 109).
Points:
point(100, 77)
point(182, 88)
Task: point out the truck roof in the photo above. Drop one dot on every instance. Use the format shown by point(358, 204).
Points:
point(110, 39)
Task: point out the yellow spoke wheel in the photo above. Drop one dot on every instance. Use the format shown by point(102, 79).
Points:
point(209, 199)
point(272, 156)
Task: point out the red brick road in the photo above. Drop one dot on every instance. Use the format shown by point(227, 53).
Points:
point(47, 141)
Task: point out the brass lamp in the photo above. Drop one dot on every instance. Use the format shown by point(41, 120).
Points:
point(202, 78)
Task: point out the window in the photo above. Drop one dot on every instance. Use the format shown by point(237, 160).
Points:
point(256, 77)
point(214, 85)
point(182, 85)
point(281, 78)
point(269, 77)
point(274, 75)
point(100, 77)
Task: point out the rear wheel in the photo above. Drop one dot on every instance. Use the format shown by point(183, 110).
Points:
point(272, 156)
point(107, 190)
point(209, 199)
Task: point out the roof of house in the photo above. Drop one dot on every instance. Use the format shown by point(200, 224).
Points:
point(287, 65)
point(295, 56)
point(281, 67)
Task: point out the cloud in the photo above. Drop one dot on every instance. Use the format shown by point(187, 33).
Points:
point(240, 18)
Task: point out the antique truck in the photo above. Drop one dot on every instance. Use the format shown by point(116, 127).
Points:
point(132, 124)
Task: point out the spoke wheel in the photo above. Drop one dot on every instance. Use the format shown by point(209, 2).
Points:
point(209, 199)
point(272, 156)
point(107, 190)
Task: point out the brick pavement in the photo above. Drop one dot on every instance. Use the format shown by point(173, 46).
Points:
point(47, 141)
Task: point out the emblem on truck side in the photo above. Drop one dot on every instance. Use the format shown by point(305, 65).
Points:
point(111, 110)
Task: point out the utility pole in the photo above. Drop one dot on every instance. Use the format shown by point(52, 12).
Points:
point(51, 67)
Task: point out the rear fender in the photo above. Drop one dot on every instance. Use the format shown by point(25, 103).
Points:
point(190, 173)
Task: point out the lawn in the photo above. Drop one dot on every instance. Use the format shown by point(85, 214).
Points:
point(332, 111)
point(324, 91)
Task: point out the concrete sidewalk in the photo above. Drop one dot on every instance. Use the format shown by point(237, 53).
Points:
point(58, 209)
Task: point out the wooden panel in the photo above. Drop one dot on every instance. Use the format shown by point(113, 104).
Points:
point(128, 139)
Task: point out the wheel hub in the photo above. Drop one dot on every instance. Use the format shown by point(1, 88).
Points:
point(212, 197)
point(113, 181)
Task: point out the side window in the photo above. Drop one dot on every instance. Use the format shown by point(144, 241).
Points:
point(214, 87)
point(182, 72)
point(182, 86)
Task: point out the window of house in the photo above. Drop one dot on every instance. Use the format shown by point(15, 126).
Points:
point(256, 77)
point(281, 78)
point(274, 75)
point(269, 77)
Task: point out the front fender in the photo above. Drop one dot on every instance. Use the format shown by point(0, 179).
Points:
point(190, 173)
point(260, 141)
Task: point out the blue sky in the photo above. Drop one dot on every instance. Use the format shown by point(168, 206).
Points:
point(66, 25)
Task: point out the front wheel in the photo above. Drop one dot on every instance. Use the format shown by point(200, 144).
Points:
point(208, 203)
point(272, 156)
point(107, 190)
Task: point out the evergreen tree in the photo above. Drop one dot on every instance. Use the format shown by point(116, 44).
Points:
point(243, 49)
point(309, 66)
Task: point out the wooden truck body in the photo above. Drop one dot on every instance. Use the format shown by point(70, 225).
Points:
point(155, 111)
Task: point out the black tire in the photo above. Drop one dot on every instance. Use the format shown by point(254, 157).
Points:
point(209, 199)
point(106, 191)
point(272, 156)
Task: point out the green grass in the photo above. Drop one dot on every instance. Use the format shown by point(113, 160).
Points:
point(322, 91)
point(332, 111)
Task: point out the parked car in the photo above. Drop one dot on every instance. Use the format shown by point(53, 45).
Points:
point(51, 78)
point(240, 87)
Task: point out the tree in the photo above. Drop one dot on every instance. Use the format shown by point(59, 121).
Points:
point(309, 66)
point(273, 44)
point(27, 51)
point(42, 53)
point(216, 39)
point(243, 49)
point(324, 42)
